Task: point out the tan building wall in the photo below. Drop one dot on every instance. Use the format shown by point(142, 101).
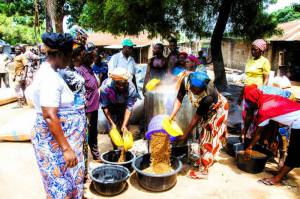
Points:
point(237, 52)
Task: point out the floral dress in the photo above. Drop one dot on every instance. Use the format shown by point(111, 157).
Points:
point(214, 115)
point(50, 90)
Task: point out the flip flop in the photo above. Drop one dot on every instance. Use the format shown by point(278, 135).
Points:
point(197, 175)
point(267, 182)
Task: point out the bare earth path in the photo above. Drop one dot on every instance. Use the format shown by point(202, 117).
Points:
point(20, 178)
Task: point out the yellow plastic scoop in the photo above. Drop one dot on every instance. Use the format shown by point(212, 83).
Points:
point(116, 137)
point(152, 84)
point(128, 140)
point(171, 127)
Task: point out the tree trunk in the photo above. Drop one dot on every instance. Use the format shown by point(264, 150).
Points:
point(54, 15)
point(216, 44)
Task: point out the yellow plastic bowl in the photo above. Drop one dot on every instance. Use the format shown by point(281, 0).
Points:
point(171, 127)
point(152, 84)
point(128, 140)
point(116, 137)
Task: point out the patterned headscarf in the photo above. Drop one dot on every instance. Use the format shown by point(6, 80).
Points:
point(261, 44)
point(194, 59)
point(79, 35)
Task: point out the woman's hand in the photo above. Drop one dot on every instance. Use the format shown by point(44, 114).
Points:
point(124, 129)
point(248, 150)
point(183, 137)
point(70, 158)
point(172, 117)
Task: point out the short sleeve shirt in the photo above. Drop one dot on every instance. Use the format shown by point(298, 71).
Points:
point(119, 60)
point(20, 62)
point(255, 69)
point(48, 89)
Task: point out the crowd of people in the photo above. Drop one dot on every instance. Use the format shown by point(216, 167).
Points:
point(75, 80)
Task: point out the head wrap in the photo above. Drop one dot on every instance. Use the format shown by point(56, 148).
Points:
point(119, 74)
point(183, 54)
point(57, 41)
point(199, 80)
point(79, 35)
point(260, 44)
point(252, 93)
point(194, 59)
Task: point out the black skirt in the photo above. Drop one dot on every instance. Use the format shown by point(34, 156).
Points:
point(293, 158)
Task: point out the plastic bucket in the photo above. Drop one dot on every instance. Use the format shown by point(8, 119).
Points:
point(156, 126)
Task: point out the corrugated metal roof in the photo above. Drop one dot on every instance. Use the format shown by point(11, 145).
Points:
point(291, 31)
point(107, 39)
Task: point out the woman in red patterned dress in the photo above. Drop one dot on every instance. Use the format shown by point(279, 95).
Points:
point(212, 113)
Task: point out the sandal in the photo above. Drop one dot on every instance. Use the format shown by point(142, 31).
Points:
point(267, 181)
point(198, 174)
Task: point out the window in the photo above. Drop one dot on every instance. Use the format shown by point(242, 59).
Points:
point(281, 59)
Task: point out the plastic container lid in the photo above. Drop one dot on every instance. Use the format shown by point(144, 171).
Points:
point(116, 137)
point(128, 140)
point(171, 127)
point(152, 84)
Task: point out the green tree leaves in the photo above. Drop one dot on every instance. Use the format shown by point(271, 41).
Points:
point(289, 13)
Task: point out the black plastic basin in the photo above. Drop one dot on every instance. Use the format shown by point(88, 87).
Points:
point(231, 140)
point(155, 182)
point(109, 180)
point(252, 164)
point(112, 157)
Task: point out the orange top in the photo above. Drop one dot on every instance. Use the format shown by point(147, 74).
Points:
point(20, 62)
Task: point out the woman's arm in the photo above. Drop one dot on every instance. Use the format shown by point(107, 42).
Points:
point(108, 116)
point(53, 122)
point(126, 120)
point(255, 138)
point(248, 120)
point(176, 108)
point(178, 101)
point(266, 79)
point(191, 126)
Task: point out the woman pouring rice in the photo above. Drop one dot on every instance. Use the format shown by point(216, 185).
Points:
point(117, 98)
point(212, 113)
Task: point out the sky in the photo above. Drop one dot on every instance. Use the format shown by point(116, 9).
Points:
point(281, 4)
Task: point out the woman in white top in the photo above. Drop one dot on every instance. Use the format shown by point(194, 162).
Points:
point(60, 127)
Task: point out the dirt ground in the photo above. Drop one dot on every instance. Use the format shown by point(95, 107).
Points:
point(20, 178)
